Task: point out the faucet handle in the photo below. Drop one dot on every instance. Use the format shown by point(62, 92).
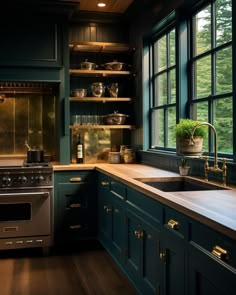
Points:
point(205, 158)
point(224, 167)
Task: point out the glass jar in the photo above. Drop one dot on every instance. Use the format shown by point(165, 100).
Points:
point(129, 156)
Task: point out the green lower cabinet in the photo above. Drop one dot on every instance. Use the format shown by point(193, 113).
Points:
point(74, 207)
point(208, 275)
point(104, 217)
point(142, 261)
point(111, 216)
point(117, 234)
point(161, 250)
point(173, 263)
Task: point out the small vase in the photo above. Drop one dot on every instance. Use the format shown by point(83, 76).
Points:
point(183, 171)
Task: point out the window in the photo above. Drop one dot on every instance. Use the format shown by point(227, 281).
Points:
point(211, 78)
point(163, 101)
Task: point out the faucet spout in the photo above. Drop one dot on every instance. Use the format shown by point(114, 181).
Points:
point(215, 139)
point(215, 168)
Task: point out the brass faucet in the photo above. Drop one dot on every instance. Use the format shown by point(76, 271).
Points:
point(214, 168)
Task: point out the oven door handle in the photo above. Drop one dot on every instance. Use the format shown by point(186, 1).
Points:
point(33, 194)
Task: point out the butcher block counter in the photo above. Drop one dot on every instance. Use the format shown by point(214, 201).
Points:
point(215, 208)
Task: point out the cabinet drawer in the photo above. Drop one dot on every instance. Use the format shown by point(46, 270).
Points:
point(118, 189)
point(175, 222)
point(74, 195)
point(219, 245)
point(73, 176)
point(151, 208)
point(104, 182)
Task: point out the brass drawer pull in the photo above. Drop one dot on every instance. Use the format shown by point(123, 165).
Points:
point(173, 224)
point(75, 179)
point(74, 206)
point(77, 226)
point(219, 252)
point(104, 183)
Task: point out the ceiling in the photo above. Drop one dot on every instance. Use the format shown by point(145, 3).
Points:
point(114, 6)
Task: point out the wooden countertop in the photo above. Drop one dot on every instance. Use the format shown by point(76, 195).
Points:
point(215, 208)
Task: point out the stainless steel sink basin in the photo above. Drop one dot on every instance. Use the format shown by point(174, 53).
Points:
point(178, 184)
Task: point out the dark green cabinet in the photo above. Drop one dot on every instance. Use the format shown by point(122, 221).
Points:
point(111, 216)
point(104, 212)
point(31, 43)
point(211, 261)
point(209, 276)
point(173, 251)
point(142, 261)
point(74, 207)
point(173, 263)
point(162, 250)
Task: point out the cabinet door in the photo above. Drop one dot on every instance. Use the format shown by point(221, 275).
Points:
point(104, 212)
point(209, 276)
point(117, 236)
point(173, 251)
point(35, 43)
point(173, 263)
point(142, 260)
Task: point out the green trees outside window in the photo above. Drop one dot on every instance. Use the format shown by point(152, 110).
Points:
point(211, 61)
point(163, 104)
point(208, 75)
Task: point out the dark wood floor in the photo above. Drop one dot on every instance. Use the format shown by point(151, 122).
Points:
point(82, 273)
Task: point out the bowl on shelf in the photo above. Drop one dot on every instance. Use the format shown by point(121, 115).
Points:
point(80, 92)
point(86, 65)
point(115, 66)
point(115, 118)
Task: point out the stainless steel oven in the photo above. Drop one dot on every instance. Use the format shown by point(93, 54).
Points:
point(26, 204)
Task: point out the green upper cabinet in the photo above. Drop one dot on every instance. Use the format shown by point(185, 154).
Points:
point(31, 43)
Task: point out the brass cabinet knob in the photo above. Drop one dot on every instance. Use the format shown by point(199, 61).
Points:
point(164, 255)
point(139, 234)
point(107, 209)
point(173, 224)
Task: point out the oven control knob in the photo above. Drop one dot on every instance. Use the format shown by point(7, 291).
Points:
point(22, 179)
point(39, 179)
point(6, 181)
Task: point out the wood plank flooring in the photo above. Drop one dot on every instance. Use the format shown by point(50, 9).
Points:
point(90, 272)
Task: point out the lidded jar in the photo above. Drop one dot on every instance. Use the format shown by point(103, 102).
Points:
point(129, 156)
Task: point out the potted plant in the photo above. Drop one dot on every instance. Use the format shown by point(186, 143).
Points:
point(184, 168)
point(184, 145)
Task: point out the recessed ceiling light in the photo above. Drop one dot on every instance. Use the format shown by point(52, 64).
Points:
point(101, 4)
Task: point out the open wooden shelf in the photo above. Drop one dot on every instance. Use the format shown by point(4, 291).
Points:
point(99, 73)
point(103, 47)
point(100, 99)
point(102, 127)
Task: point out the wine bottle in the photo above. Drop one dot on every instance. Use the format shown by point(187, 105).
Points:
point(79, 151)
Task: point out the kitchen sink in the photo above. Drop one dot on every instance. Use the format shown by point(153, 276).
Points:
point(179, 184)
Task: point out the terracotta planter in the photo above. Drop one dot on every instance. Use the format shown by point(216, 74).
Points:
point(183, 146)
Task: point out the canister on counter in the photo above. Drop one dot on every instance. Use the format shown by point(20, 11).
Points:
point(114, 157)
point(122, 151)
point(129, 156)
